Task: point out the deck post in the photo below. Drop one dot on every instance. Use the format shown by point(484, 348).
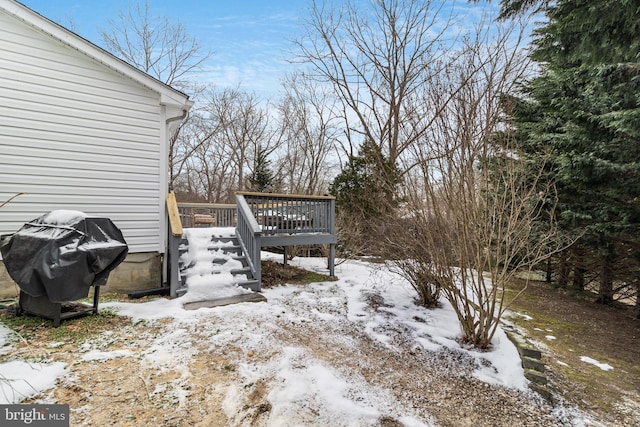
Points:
point(332, 257)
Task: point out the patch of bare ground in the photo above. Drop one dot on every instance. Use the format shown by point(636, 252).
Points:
point(569, 328)
point(274, 274)
point(124, 391)
point(437, 386)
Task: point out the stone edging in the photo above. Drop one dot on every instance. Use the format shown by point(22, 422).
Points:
point(534, 368)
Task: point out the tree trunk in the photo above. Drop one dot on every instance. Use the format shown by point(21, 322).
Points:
point(637, 309)
point(549, 275)
point(578, 277)
point(578, 265)
point(563, 269)
point(605, 291)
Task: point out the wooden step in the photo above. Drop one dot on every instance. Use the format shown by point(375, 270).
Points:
point(246, 270)
point(250, 284)
point(218, 302)
point(224, 239)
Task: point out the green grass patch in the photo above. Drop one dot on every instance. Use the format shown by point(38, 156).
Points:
point(581, 328)
point(75, 330)
point(549, 324)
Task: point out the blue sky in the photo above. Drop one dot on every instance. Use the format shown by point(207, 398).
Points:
point(249, 38)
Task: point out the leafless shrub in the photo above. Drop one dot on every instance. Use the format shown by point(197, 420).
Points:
point(480, 212)
point(408, 250)
point(354, 236)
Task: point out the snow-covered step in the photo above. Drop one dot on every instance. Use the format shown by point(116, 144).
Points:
point(246, 270)
point(228, 249)
point(213, 265)
point(239, 258)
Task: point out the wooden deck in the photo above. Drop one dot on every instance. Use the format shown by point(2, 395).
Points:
point(261, 220)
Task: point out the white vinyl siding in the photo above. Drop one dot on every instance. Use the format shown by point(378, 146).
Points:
point(75, 134)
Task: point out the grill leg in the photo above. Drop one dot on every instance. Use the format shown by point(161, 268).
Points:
point(96, 298)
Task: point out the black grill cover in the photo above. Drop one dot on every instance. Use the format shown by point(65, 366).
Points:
point(61, 254)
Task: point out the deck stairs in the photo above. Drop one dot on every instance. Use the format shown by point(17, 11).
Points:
point(213, 256)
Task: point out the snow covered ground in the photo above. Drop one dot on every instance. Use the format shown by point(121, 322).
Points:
point(352, 352)
point(439, 328)
point(21, 379)
point(302, 381)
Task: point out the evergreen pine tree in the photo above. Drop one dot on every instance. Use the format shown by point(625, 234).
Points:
point(262, 179)
point(585, 109)
point(367, 186)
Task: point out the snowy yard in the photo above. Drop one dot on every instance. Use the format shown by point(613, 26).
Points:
point(351, 352)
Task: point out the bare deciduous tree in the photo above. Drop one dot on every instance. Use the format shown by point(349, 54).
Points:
point(189, 136)
point(380, 59)
point(203, 163)
point(309, 132)
point(224, 142)
point(243, 130)
point(156, 45)
point(163, 49)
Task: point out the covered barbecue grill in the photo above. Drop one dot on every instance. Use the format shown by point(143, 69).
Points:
point(57, 257)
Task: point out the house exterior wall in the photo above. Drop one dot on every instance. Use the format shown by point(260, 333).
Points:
point(82, 130)
point(75, 134)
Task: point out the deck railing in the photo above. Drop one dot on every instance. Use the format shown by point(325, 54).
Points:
point(249, 235)
point(291, 214)
point(207, 215)
point(285, 220)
